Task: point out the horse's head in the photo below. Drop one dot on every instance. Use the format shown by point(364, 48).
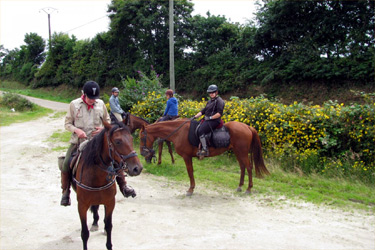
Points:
point(146, 143)
point(120, 145)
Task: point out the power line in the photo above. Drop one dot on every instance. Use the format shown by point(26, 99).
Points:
point(86, 24)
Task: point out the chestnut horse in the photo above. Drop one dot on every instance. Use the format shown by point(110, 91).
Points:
point(135, 123)
point(104, 156)
point(243, 140)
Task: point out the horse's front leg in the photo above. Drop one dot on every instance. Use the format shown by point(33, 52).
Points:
point(160, 144)
point(85, 234)
point(170, 150)
point(95, 226)
point(108, 222)
point(190, 170)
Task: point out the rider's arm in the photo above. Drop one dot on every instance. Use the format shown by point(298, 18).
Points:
point(69, 122)
point(198, 115)
point(114, 107)
point(167, 108)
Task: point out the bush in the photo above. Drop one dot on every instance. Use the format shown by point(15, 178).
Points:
point(329, 139)
point(16, 102)
point(134, 92)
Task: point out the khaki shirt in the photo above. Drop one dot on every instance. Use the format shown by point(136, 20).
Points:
point(79, 117)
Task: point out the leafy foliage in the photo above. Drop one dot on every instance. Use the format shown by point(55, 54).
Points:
point(327, 42)
point(133, 91)
point(332, 139)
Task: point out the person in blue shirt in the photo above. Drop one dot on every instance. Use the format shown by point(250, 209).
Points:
point(115, 105)
point(171, 111)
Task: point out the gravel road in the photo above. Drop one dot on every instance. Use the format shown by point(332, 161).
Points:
point(161, 216)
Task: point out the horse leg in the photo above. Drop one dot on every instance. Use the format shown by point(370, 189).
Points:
point(160, 143)
point(190, 170)
point(249, 168)
point(244, 161)
point(95, 226)
point(108, 223)
point(170, 150)
point(242, 178)
point(85, 234)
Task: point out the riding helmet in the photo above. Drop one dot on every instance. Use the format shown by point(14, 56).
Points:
point(212, 88)
point(169, 92)
point(91, 89)
point(115, 90)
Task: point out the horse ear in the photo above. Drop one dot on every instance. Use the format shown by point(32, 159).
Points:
point(126, 119)
point(106, 124)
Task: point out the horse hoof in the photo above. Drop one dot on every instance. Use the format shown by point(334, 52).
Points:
point(94, 228)
point(239, 189)
point(248, 192)
point(188, 193)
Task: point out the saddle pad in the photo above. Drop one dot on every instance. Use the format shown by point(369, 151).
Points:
point(193, 138)
point(221, 137)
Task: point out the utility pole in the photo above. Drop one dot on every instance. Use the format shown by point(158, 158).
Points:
point(171, 47)
point(49, 11)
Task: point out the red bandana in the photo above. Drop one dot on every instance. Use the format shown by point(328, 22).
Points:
point(88, 105)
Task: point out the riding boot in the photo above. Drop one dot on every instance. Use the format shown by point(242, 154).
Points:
point(204, 149)
point(65, 186)
point(125, 190)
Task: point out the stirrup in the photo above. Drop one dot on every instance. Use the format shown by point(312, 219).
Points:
point(203, 153)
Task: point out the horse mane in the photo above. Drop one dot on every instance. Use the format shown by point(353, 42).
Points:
point(91, 153)
point(143, 119)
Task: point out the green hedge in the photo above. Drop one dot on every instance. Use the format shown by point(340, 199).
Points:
point(332, 139)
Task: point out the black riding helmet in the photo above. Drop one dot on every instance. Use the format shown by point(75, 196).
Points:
point(91, 89)
point(212, 88)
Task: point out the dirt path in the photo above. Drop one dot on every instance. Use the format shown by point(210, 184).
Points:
point(161, 216)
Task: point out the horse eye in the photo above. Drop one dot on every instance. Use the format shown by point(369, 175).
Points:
point(117, 142)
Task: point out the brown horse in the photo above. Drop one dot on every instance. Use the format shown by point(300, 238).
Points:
point(135, 123)
point(104, 156)
point(243, 140)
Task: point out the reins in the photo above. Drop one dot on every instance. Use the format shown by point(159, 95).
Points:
point(173, 132)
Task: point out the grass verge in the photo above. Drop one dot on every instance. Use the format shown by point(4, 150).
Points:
point(223, 173)
point(8, 117)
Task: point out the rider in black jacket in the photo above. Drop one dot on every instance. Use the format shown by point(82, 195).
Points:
point(212, 117)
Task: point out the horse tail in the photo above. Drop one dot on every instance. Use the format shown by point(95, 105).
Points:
point(257, 154)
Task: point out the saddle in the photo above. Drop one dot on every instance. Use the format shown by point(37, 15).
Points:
point(114, 119)
point(219, 138)
point(76, 156)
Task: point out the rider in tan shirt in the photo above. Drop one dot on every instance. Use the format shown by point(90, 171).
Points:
point(84, 120)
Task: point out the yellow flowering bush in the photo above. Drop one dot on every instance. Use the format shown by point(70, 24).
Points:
point(310, 138)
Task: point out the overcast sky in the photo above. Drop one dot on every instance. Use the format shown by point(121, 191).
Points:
point(86, 18)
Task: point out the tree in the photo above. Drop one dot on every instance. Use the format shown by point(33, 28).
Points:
point(139, 29)
point(35, 46)
point(57, 68)
point(316, 39)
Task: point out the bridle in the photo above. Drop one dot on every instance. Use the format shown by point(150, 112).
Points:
point(112, 170)
point(145, 151)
